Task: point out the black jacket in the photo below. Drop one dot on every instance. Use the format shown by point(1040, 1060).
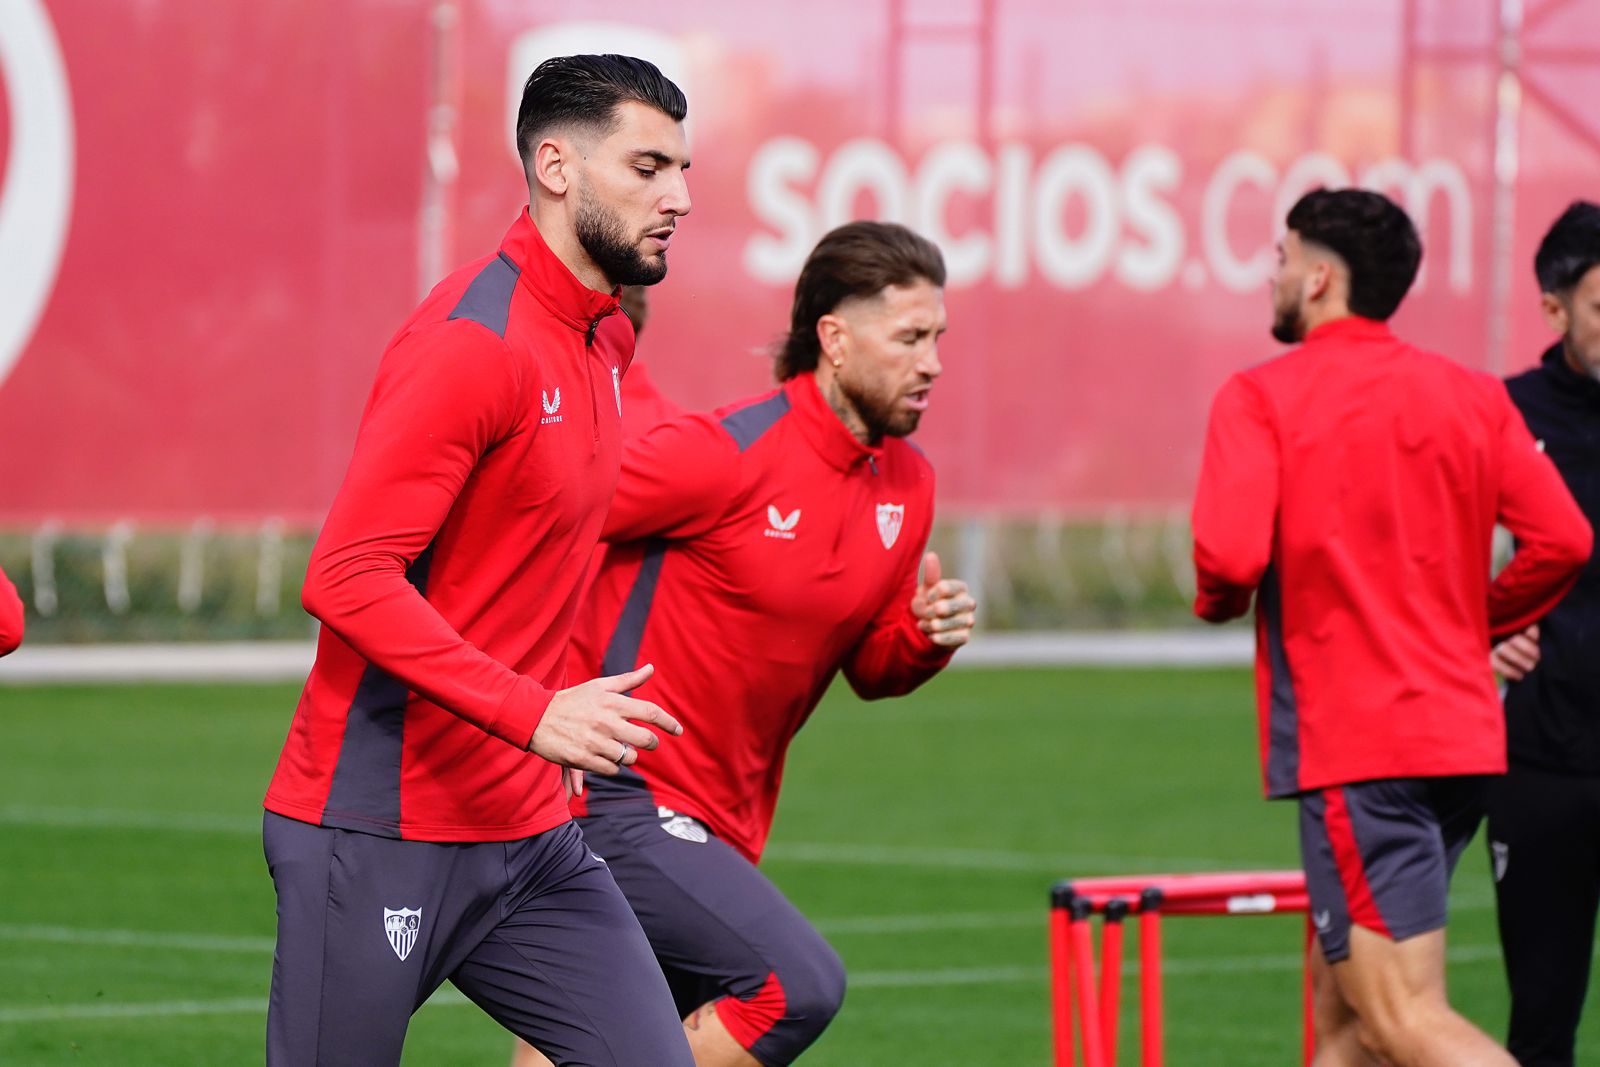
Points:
point(1553, 715)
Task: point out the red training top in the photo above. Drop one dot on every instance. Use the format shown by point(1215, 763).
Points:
point(11, 619)
point(1353, 485)
point(773, 550)
point(448, 571)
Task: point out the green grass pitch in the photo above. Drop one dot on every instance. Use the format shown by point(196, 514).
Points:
point(921, 835)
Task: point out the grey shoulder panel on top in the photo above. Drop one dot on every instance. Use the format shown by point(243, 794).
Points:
point(487, 301)
point(747, 424)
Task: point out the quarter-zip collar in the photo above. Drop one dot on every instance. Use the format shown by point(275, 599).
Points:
point(823, 428)
point(1567, 381)
point(551, 283)
point(1351, 328)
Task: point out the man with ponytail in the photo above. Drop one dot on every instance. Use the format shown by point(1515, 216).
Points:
point(775, 543)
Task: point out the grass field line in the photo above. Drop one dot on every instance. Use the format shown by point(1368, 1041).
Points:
point(225, 943)
point(288, 661)
point(1059, 865)
point(73, 935)
point(1464, 955)
point(784, 852)
point(853, 925)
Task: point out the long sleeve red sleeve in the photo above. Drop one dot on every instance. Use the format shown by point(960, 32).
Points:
point(443, 398)
point(677, 480)
point(11, 616)
point(894, 656)
point(1236, 504)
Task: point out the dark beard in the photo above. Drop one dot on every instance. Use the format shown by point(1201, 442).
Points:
point(602, 237)
point(880, 417)
point(1288, 326)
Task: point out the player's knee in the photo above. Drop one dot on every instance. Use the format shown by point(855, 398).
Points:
point(813, 988)
point(1393, 1030)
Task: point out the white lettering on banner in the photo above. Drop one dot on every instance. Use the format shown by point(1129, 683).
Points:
point(1128, 225)
point(1149, 170)
point(954, 166)
point(778, 165)
point(36, 194)
point(1074, 170)
point(1239, 169)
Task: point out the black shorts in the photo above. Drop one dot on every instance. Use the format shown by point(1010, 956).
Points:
point(533, 931)
point(721, 931)
point(1379, 854)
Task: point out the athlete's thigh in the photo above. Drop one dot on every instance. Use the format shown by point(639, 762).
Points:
point(708, 912)
point(367, 927)
point(568, 969)
point(1376, 857)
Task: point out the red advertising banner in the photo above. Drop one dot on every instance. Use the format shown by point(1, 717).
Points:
point(212, 215)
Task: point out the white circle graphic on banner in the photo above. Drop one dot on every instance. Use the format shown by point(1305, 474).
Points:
point(36, 189)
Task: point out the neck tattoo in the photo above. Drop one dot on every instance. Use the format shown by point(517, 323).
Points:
point(847, 413)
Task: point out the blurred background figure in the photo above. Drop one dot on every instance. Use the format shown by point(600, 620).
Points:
point(1544, 815)
point(11, 616)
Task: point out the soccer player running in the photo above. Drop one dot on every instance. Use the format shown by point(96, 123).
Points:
point(417, 827)
point(11, 616)
point(780, 543)
point(1352, 486)
point(1544, 815)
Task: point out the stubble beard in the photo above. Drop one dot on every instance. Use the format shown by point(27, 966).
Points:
point(1288, 325)
point(603, 238)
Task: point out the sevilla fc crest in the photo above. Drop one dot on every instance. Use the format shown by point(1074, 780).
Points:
point(890, 518)
point(402, 927)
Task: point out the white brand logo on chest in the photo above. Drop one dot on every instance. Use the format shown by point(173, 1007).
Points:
point(616, 387)
point(890, 518)
point(779, 525)
point(552, 405)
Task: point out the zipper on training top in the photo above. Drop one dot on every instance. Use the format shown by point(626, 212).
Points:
point(588, 367)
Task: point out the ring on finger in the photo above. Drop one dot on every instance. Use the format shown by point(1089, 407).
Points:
point(623, 758)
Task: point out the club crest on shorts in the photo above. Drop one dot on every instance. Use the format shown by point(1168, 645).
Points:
point(682, 827)
point(402, 927)
point(1500, 853)
point(890, 518)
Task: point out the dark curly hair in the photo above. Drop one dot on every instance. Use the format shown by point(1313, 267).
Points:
point(1374, 237)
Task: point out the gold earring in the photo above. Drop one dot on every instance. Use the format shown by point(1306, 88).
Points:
point(837, 362)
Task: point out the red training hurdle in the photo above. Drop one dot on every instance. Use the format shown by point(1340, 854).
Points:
point(1076, 1005)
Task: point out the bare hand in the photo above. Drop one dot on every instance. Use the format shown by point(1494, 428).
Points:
point(593, 726)
point(944, 609)
point(1518, 654)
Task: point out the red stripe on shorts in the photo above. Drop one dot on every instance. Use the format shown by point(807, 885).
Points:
point(748, 1019)
point(1347, 858)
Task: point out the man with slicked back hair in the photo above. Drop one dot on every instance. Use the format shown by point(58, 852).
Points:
point(417, 828)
